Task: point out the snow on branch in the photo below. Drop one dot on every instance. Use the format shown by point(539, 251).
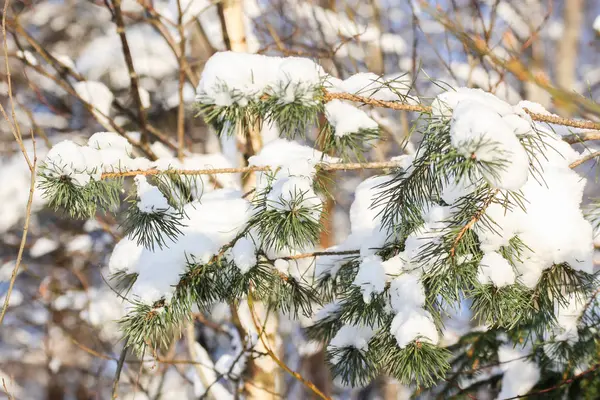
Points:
point(488, 209)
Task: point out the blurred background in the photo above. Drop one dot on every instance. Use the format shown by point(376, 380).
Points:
point(70, 78)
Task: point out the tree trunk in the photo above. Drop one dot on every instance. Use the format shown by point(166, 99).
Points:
point(264, 376)
point(568, 49)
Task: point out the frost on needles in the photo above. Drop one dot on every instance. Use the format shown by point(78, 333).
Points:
point(487, 213)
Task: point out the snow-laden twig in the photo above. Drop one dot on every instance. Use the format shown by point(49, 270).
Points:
point(213, 171)
point(400, 106)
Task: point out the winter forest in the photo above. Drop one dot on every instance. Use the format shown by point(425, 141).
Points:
point(299, 199)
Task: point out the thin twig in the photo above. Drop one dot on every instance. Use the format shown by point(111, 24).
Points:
point(160, 360)
point(31, 164)
point(583, 159)
point(213, 171)
point(10, 396)
point(393, 105)
point(294, 374)
point(396, 105)
point(560, 384)
point(135, 90)
point(62, 68)
point(321, 253)
point(181, 63)
point(472, 222)
point(581, 137)
point(120, 364)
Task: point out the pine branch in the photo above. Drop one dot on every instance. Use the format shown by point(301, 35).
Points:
point(472, 222)
point(393, 105)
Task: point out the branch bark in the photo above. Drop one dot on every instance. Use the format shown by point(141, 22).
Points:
point(135, 89)
point(568, 49)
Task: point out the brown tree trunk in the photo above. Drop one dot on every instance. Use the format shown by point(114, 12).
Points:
point(265, 382)
point(568, 50)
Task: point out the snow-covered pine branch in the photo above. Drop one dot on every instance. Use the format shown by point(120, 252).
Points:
point(487, 213)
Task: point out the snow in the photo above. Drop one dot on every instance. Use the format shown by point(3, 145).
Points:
point(352, 336)
point(150, 197)
point(294, 192)
point(48, 119)
point(281, 265)
point(479, 132)
point(42, 247)
point(365, 217)
point(286, 191)
point(414, 324)
point(209, 375)
point(144, 97)
point(198, 183)
point(206, 13)
point(394, 266)
point(125, 256)
point(27, 56)
point(292, 157)
point(151, 54)
point(484, 78)
point(482, 127)
point(244, 254)
point(6, 270)
point(455, 188)
point(98, 95)
point(426, 235)
point(553, 227)
point(208, 226)
point(290, 188)
point(445, 103)
point(236, 78)
point(9, 385)
point(80, 244)
point(334, 25)
point(172, 100)
point(80, 163)
point(388, 88)
point(406, 292)
point(496, 270)
point(347, 119)
point(567, 319)
point(109, 152)
point(110, 140)
point(16, 298)
point(370, 277)
point(392, 43)
point(534, 107)
point(227, 365)
point(73, 299)
point(367, 232)
point(328, 310)
point(296, 80)
point(191, 9)
point(520, 374)
point(411, 322)
point(321, 24)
